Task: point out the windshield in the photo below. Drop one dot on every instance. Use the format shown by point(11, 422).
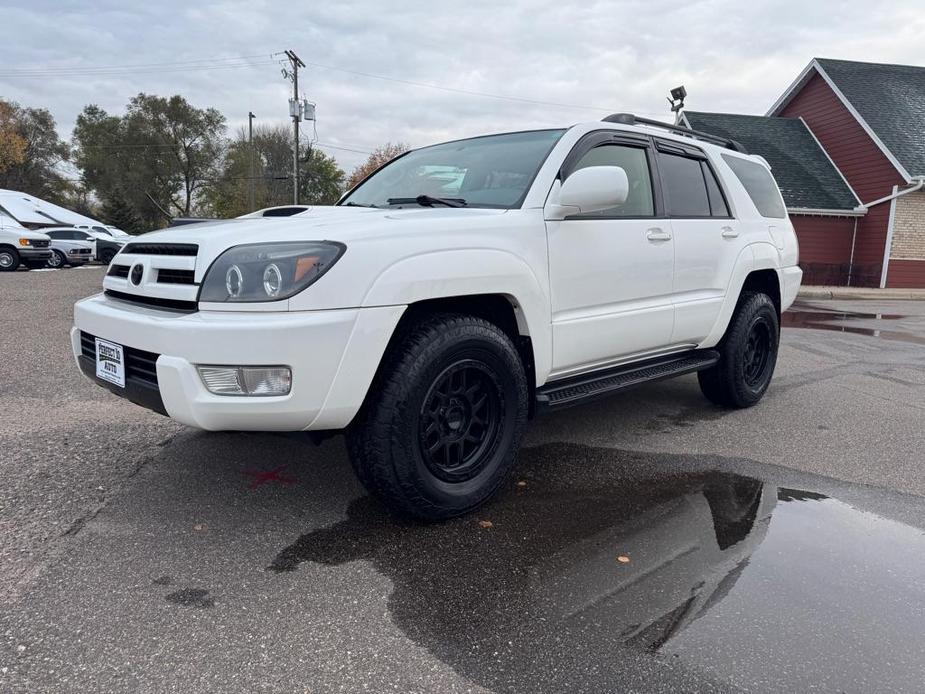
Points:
point(492, 171)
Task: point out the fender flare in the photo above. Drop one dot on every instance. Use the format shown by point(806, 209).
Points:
point(760, 255)
point(470, 271)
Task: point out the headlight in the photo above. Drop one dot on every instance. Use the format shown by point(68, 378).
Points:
point(268, 271)
point(25, 242)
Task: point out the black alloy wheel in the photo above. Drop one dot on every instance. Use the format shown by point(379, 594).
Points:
point(459, 420)
point(757, 354)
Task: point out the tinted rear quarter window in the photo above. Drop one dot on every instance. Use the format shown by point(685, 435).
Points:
point(718, 205)
point(683, 185)
point(760, 186)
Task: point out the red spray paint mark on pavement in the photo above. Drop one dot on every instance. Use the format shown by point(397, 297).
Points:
point(259, 477)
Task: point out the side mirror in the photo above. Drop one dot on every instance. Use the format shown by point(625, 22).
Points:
point(594, 189)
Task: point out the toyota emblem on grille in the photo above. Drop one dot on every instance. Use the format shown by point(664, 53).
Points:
point(137, 272)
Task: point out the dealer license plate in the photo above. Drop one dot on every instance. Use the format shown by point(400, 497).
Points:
point(110, 362)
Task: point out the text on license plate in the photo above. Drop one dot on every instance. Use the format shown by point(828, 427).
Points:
point(110, 362)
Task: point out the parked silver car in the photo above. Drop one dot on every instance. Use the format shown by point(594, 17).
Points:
point(70, 247)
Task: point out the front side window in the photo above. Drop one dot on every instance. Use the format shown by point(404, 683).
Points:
point(760, 186)
point(684, 187)
point(634, 162)
point(493, 171)
point(55, 234)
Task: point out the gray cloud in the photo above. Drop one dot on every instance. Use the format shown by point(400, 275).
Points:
point(732, 56)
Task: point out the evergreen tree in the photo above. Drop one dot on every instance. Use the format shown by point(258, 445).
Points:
point(117, 212)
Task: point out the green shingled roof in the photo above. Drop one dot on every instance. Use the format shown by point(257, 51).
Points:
point(806, 176)
point(891, 99)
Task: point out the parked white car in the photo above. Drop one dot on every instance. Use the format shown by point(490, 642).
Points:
point(455, 292)
point(20, 246)
point(68, 247)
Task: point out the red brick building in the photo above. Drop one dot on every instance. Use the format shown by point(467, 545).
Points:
point(868, 120)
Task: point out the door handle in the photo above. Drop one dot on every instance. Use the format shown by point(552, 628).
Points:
point(657, 234)
point(729, 233)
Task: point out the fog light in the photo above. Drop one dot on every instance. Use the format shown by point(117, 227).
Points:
point(246, 380)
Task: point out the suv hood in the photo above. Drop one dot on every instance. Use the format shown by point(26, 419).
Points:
point(343, 224)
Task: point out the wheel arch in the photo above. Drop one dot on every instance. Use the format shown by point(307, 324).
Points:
point(491, 283)
point(501, 310)
point(756, 269)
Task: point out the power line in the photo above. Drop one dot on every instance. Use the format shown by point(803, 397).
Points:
point(130, 73)
point(469, 92)
point(199, 64)
point(246, 61)
point(324, 145)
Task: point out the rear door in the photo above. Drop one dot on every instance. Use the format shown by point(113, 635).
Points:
point(611, 272)
point(706, 237)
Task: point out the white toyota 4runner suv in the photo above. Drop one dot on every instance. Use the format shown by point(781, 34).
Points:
point(455, 292)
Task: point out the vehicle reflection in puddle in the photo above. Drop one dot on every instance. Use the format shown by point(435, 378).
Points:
point(727, 576)
point(807, 316)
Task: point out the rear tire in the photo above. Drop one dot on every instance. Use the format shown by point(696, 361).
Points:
point(748, 354)
point(443, 420)
point(9, 259)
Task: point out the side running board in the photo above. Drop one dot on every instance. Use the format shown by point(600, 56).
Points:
point(590, 386)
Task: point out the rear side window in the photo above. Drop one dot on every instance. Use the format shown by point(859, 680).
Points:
point(635, 163)
point(760, 186)
point(684, 187)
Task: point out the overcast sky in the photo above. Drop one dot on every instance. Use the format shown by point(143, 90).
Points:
point(591, 57)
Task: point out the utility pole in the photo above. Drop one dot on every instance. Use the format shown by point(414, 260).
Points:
point(295, 110)
point(252, 196)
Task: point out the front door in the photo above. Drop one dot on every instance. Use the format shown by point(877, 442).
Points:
point(611, 272)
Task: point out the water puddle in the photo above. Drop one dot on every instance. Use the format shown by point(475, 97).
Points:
point(804, 316)
point(597, 564)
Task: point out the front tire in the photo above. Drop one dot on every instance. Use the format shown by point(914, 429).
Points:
point(748, 354)
point(9, 259)
point(57, 259)
point(443, 420)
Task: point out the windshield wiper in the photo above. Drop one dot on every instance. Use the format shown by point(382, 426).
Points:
point(357, 204)
point(428, 201)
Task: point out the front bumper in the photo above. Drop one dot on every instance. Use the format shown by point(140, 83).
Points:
point(333, 356)
point(33, 254)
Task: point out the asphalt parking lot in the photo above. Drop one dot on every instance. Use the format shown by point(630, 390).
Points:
point(650, 542)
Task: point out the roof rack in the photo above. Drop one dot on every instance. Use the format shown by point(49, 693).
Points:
point(630, 119)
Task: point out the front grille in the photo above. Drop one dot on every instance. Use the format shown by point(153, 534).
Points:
point(162, 248)
point(40, 244)
point(118, 271)
point(140, 366)
point(154, 301)
point(170, 276)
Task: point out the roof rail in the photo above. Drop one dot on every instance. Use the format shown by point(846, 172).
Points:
point(630, 119)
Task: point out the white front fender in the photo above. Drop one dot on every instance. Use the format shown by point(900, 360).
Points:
point(466, 272)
